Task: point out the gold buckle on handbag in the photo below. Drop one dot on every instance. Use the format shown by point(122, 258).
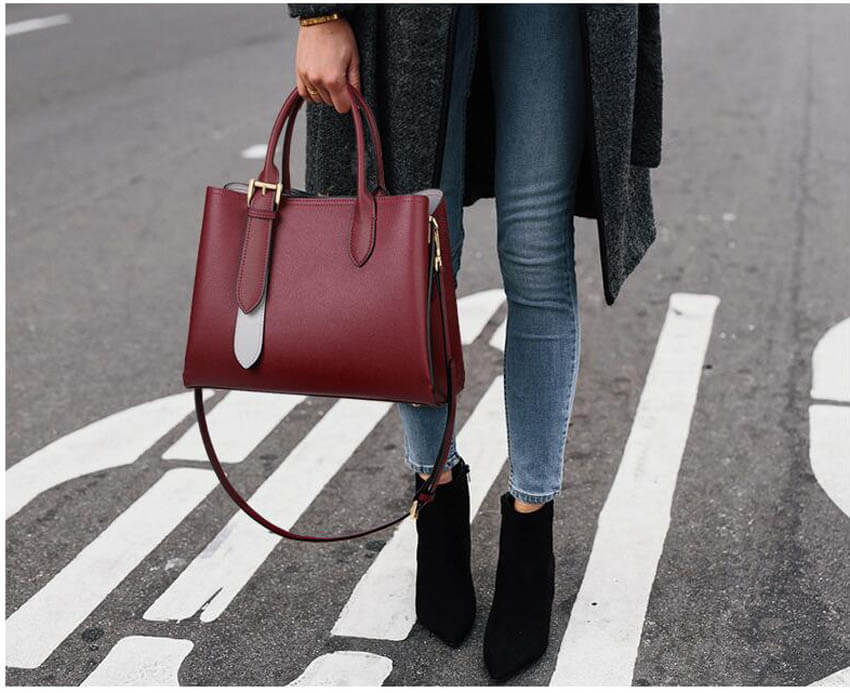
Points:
point(277, 187)
point(435, 227)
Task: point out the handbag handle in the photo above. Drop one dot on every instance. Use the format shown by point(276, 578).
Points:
point(373, 132)
point(424, 492)
point(363, 229)
point(263, 209)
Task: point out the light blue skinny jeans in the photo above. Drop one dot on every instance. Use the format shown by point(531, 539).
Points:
point(537, 74)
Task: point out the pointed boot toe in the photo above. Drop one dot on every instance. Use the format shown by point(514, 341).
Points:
point(445, 593)
point(517, 631)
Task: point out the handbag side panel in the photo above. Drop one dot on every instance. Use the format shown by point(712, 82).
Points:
point(446, 280)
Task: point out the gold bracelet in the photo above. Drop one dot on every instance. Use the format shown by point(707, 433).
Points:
point(320, 19)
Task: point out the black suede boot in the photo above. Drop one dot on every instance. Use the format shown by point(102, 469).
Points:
point(445, 595)
point(517, 631)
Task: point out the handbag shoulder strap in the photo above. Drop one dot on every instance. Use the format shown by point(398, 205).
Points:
point(424, 493)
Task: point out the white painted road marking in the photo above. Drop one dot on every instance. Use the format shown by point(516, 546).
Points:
point(36, 24)
point(114, 441)
point(839, 678)
point(829, 424)
point(497, 341)
point(831, 364)
point(52, 613)
point(475, 310)
point(238, 424)
point(601, 641)
point(346, 668)
point(382, 604)
point(141, 661)
point(222, 569)
point(829, 451)
point(256, 151)
point(829, 432)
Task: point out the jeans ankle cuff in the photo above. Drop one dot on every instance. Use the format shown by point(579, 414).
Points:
point(451, 461)
point(533, 497)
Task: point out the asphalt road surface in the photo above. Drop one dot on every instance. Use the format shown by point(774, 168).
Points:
point(703, 534)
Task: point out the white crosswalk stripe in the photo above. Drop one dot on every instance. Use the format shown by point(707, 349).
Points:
point(238, 424)
point(601, 641)
point(37, 23)
point(346, 668)
point(141, 661)
point(52, 613)
point(475, 311)
point(221, 570)
point(115, 441)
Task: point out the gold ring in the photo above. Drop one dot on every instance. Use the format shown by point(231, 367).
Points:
point(313, 92)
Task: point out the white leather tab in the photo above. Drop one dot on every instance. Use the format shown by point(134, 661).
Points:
point(248, 336)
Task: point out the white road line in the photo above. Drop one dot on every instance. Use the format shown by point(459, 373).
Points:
point(221, 570)
point(829, 424)
point(238, 424)
point(831, 364)
point(829, 432)
point(346, 668)
point(839, 678)
point(52, 613)
point(141, 661)
point(829, 451)
point(256, 151)
point(382, 604)
point(475, 310)
point(114, 441)
point(497, 341)
point(36, 24)
point(601, 641)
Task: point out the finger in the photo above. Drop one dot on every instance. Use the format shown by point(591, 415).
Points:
point(324, 96)
point(313, 94)
point(339, 93)
point(310, 92)
point(301, 87)
point(340, 101)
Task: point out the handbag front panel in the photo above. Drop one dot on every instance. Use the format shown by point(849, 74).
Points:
point(331, 328)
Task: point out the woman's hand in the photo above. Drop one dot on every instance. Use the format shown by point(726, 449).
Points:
point(326, 59)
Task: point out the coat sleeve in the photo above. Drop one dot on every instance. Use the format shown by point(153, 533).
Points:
point(646, 140)
point(315, 10)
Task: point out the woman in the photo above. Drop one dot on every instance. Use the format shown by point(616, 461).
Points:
point(555, 111)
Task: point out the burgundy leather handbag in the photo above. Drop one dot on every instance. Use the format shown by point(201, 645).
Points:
point(349, 297)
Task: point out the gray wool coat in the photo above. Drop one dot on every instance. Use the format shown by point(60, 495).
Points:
point(405, 64)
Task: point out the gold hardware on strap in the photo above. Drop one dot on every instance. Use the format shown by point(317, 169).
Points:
point(438, 260)
point(414, 509)
point(277, 187)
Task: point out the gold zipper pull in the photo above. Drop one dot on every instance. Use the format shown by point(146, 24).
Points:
point(438, 260)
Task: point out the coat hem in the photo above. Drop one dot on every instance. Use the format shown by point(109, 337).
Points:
point(610, 294)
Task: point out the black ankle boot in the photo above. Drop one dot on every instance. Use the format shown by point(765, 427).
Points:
point(517, 631)
point(445, 595)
